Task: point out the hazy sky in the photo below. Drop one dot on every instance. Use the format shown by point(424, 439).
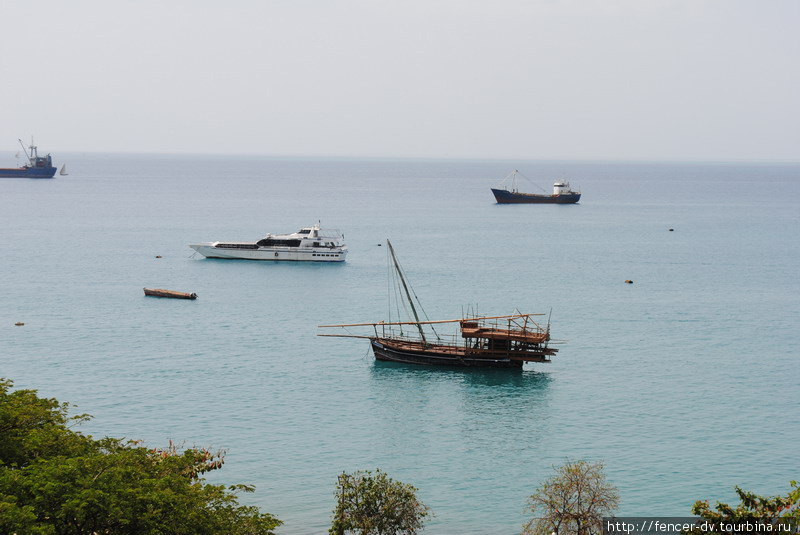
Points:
point(527, 79)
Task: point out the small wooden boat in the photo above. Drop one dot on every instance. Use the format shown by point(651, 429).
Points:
point(157, 292)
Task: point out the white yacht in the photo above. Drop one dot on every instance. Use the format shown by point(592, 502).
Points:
point(312, 244)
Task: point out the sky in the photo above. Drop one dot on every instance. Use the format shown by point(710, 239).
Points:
point(495, 79)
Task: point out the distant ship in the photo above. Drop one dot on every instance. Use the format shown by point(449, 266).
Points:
point(310, 244)
point(480, 341)
point(37, 166)
point(562, 193)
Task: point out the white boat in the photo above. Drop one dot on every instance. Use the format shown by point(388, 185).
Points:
point(311, 244)
point(63, 171)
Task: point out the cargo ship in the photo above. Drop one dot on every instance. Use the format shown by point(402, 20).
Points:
point(37, 166)
point(562, 193)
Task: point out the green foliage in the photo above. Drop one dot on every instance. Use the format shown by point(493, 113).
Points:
point(369, 504)
point(793, 511)
point(33, 427)
point(753, 510)
point(55, 481)
point(573, 501)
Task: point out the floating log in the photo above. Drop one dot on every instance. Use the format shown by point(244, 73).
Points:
point(157, 292)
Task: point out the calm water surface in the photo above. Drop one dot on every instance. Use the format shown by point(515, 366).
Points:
point(685, 383)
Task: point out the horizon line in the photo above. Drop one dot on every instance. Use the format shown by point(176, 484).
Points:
point(328, 157)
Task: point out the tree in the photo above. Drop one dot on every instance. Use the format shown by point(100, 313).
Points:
point(369, 504)
point(56, 481)
point(753, 510)
point(573, 501)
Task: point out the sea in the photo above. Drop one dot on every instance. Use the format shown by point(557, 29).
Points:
point(685, 383)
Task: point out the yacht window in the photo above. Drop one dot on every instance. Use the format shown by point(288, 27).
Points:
point(236, 246)
point(267, 242)
point(304, 231)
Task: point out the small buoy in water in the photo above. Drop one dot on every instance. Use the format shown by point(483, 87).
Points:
point(672, 230)
point(19, 324)
point(628, 281)
point(379, 244)
point(158, 256)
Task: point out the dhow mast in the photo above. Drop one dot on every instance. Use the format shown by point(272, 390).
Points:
point(408, 294)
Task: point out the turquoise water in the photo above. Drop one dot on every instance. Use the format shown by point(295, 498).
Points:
point(685, 383)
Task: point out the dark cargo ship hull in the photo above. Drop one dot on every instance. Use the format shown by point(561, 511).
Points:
point(386, 353)
point(28, 172)
point(507, 197)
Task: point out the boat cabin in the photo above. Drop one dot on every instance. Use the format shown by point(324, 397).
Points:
point(561, 188)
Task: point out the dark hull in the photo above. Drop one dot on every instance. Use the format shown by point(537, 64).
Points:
point(429, 358)
point(507, 197)
point(28, 172)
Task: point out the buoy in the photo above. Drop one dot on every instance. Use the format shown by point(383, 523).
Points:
point(629, 281)
point(158, 256)
point(379, 244)
point(19, 324)
point(672, 230)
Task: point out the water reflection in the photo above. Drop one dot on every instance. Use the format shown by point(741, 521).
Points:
point(507, 379)
point(439, 417)
point(452, 395)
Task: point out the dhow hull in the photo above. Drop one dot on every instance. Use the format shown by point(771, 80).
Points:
point(387, 353)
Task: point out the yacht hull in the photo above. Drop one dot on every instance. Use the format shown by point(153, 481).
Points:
point(274, 254)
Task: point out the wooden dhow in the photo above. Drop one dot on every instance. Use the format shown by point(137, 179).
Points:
point(479, 341)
